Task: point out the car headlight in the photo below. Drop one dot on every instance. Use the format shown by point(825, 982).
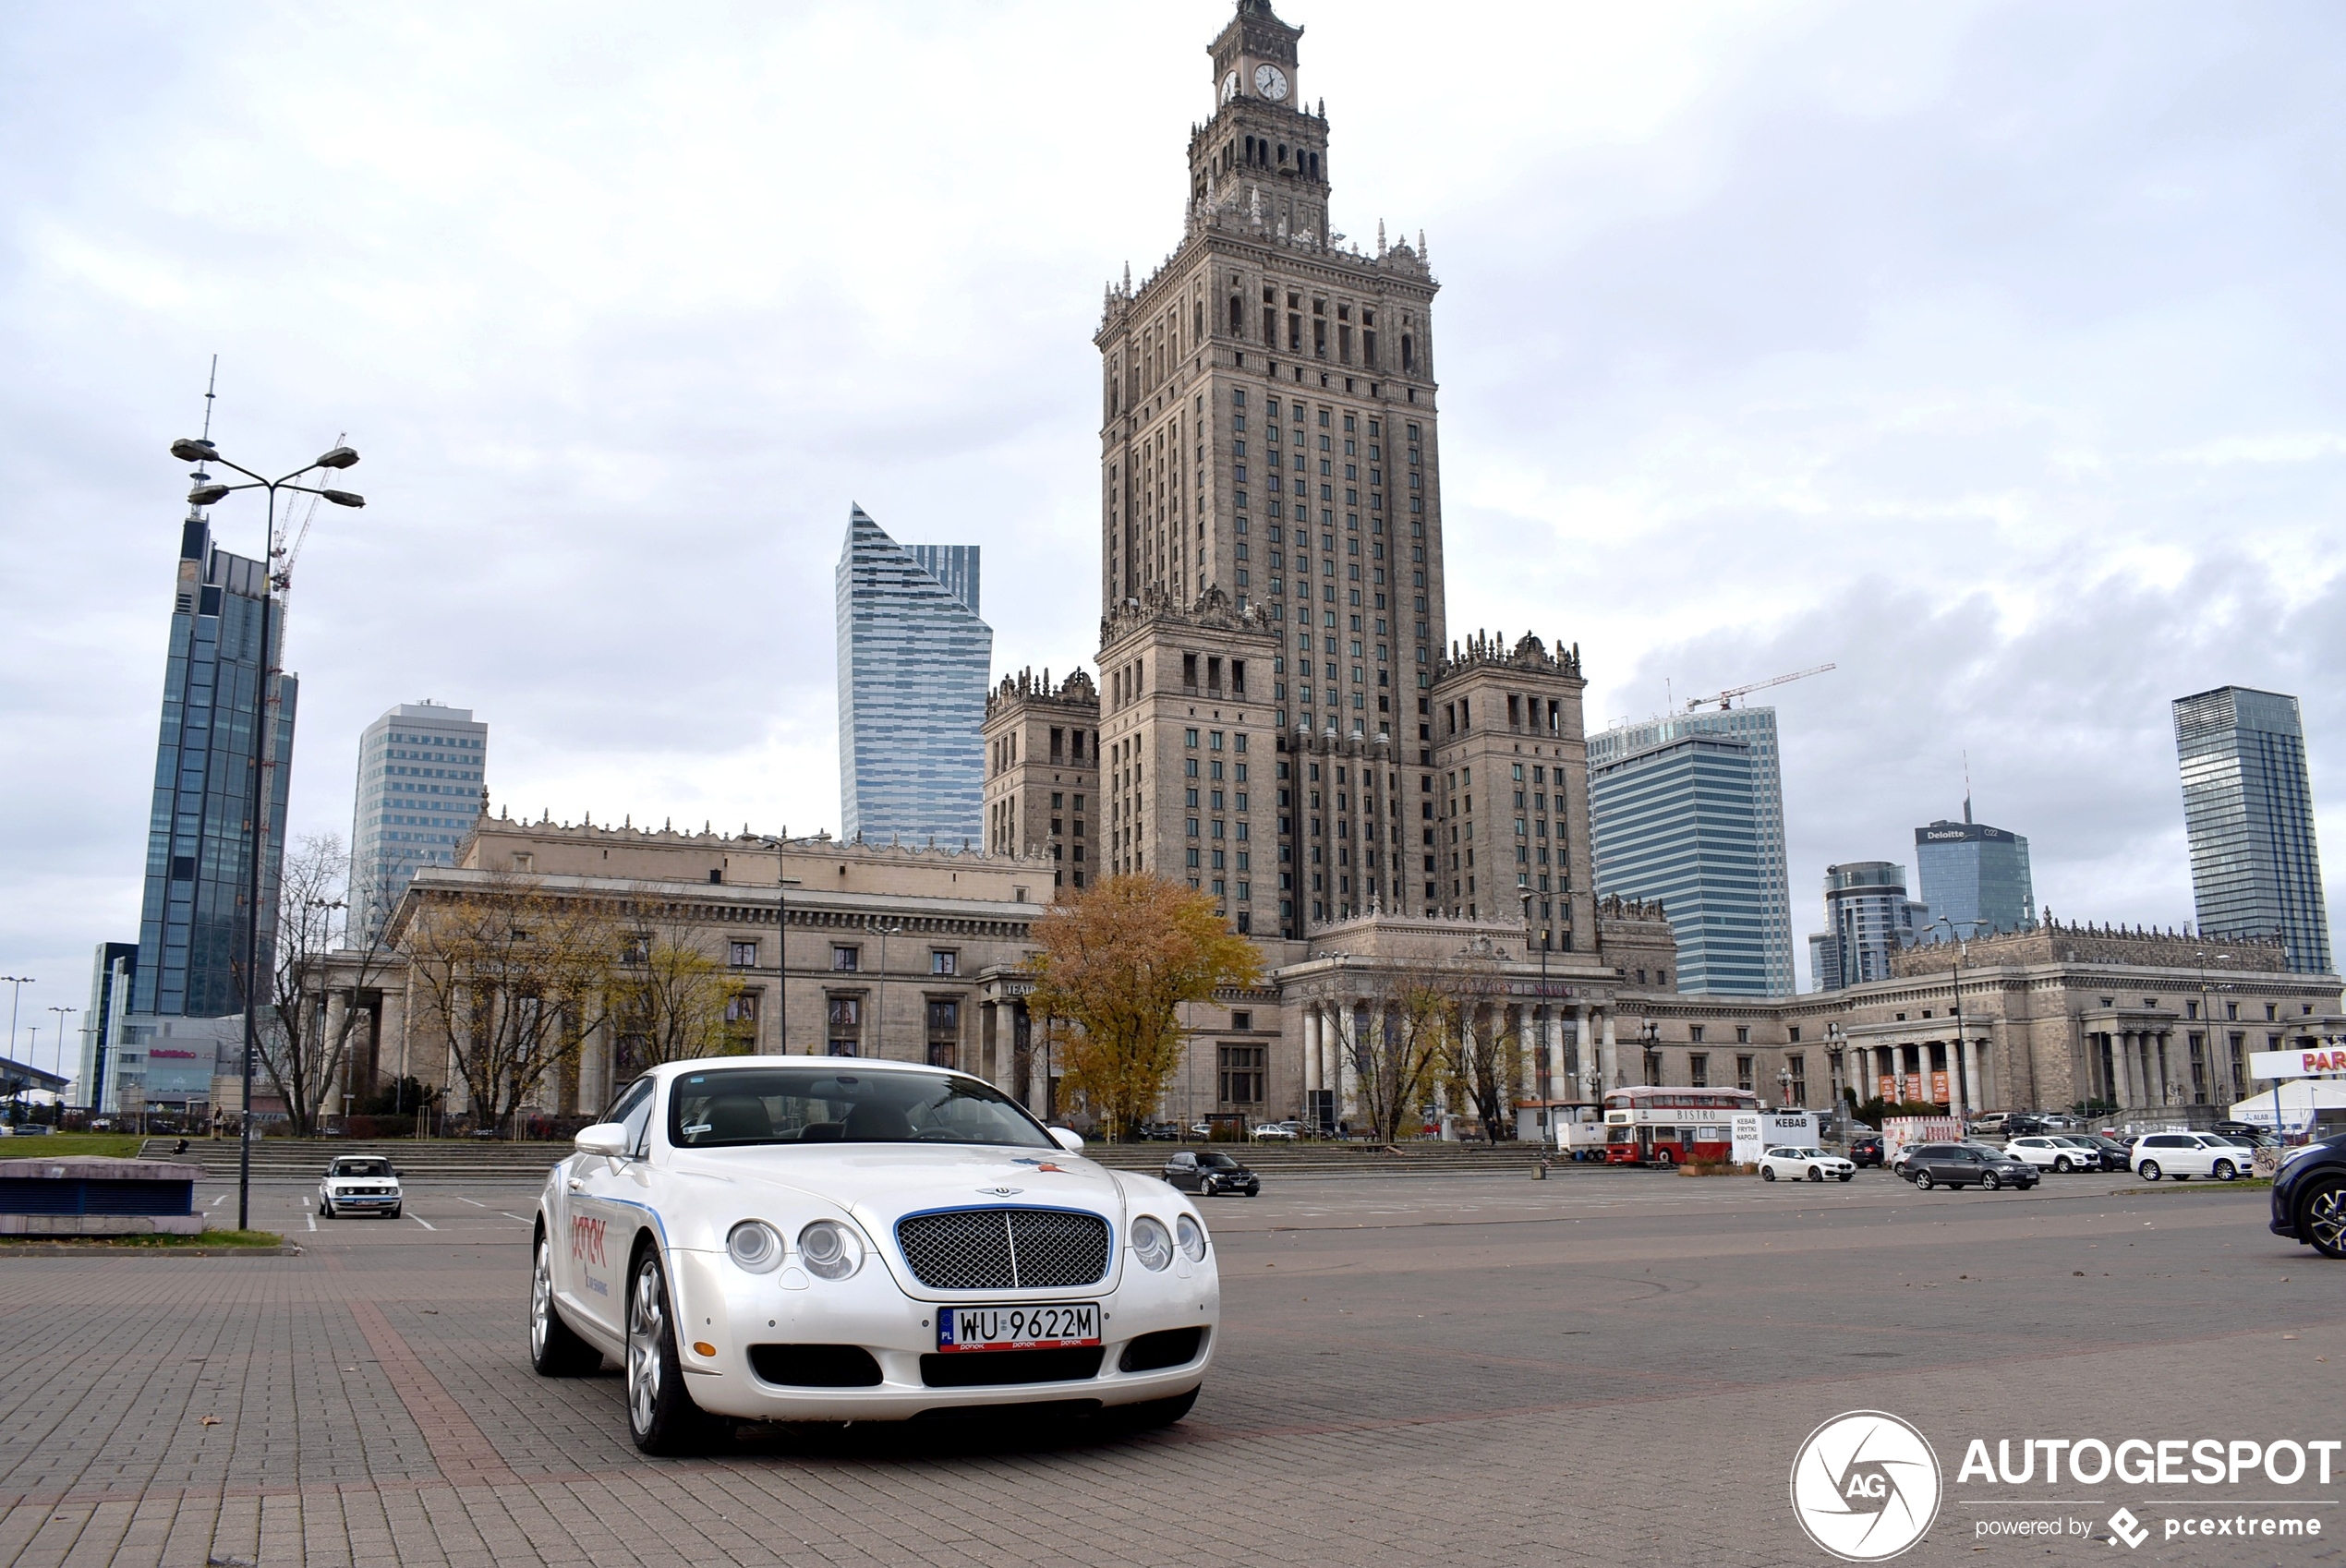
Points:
point(831, 1251)
point(1192, 1237)
point(1152, 1244)
point(754, 1245)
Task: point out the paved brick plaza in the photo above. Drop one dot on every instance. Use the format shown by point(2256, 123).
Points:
point(1608, 1367)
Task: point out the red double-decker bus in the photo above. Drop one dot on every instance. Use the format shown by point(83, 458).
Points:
point(1669, 1127)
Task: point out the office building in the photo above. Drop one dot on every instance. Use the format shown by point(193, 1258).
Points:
point(2248, 807)
point(913, 659)
point(110, 988)
point(1868, 918)
point(1754, 728)
point(421, 771)
point(191, 923)
point(1676, 822)
point(1975, 877)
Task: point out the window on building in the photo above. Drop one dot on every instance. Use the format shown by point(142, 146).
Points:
point(1797, 1066)
point(847, 960)
point(1699, 1071)
point(944, 960)
point(1693, 1030)
point(1243, 1074)
point(1743, 1073)
point(944, 1030)
point(636, 949)
point(741, 1011)
point(846, 1026)
point(742, 954)
point(1743, 1034)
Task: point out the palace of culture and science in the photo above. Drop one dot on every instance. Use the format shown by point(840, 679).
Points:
point(1283, 718)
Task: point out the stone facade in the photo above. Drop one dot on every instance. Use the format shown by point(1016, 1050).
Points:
point(1043, 782)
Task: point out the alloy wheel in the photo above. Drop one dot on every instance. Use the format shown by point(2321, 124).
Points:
point(647, 1315)
point(541, 1300)
point(2325, 1220)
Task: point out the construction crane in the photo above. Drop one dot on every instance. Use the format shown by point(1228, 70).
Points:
point(1726, 699)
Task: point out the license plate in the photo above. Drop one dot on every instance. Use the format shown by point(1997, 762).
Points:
point(1047, 1327)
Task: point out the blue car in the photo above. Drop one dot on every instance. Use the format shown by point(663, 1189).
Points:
point(2309, 1197)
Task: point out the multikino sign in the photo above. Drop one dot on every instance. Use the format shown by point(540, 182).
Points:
point(2295, 1064)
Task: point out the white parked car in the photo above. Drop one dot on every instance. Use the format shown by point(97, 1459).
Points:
point(786, 1239)
point(2187, 1154)
point(358, 1185)
point(2052, 1152)
point(1280, 1130)
point(1804, 1164)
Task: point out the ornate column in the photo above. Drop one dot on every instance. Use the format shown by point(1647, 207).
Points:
point(1610, 1058)
point(1311, 1082)
point(2167, 1088)
point(1584, 1055)
point(1552, 1042)
point(1347, 1061)
point(1975, 1101)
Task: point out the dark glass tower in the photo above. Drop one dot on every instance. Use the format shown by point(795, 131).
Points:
point(191, 922)
point(2248, 807)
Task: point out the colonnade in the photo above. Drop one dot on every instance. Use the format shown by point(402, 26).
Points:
point(1909, 1062)
point(1577, 1063)
point(2132, 1067)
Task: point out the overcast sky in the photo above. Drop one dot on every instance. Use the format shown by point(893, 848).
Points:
point(1992, 352)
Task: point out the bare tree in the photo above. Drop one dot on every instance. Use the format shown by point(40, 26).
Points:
point(1481, 1052)
point(671, 1000)
point(1395, 1055)
point(513, 979)
point(305, 1044)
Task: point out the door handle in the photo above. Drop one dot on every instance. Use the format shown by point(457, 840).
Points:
point(577, 1184)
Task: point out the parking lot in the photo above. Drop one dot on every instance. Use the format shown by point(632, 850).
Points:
point(1605, 1366)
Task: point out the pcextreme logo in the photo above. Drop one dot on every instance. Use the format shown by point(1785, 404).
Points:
point(1865, 1486)
point(586, 1238)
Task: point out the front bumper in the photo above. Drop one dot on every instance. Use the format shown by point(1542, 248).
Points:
point(370, 1200)
point(731, 1310)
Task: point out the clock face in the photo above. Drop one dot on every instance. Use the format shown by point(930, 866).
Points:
point(1229, 86)
point(1271, 82)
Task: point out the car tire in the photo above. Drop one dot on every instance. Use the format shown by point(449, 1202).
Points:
point(1923, 1182)
point(1661, 1156)
point(2224, 1170)
point(2062, 1165)
point(555, 1351)
point(1153, 1414)
point(1254, 1191)
point(1848, 1176)
point(1815, 1172)
point(2321, 1216)
point(1207, 1188)
point(1992, 1182)
point(2147, 1170)
point(325, 1210)
point(391, 1212)
point(662, 1416)
point(1767, 1173)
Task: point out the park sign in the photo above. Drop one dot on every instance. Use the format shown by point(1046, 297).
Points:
point(2295, 1064)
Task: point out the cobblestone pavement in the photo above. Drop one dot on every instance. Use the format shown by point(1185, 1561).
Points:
point(1606, 1368)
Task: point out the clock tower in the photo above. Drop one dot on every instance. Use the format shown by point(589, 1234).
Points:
point(1272, 625)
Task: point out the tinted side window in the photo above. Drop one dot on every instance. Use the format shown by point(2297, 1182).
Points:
point(635, 1109)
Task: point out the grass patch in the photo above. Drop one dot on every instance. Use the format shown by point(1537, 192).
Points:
point(222, 1239)
point(2202, 1183)
point(72, 1146)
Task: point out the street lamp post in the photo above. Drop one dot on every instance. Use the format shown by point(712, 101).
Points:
point(209, 491)
point(63, 1013)
point(1650, 1038)
point(783, 882)
point(16, 985)
point(1547, 1113)
point(1964, 1091)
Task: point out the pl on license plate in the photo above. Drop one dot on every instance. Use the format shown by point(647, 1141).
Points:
point(1047, 1327)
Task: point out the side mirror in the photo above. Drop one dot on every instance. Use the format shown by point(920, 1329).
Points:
point(604, 1137)
point(1068, 1138)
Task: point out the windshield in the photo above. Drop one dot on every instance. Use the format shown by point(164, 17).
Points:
point(733, 1106)
point(362, 1167)
point(1216, 1162)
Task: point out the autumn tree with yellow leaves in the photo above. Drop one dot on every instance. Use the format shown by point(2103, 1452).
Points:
point(1115, 962)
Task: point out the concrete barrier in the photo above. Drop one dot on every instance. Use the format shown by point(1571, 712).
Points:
point(91, 1196)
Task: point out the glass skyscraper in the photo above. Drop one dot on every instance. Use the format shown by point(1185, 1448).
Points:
point(2248, 807)
point(1868, 918)
point(191, 923)
point(1678, 821)
point(1770, 889)
point(420, 768)
point(1975, 876)
point(914, 661)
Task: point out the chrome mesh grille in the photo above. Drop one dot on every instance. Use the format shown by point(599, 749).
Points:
point(1004, 1248)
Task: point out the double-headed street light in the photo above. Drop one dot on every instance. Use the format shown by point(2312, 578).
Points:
point(206, 492)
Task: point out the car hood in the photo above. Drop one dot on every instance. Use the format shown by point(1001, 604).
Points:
point(881, 1183)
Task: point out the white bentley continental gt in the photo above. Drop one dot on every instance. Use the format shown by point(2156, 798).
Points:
point(813, 1238)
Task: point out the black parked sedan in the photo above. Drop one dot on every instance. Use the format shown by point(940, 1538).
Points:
point(2309, 1197)
point(1210, 1173)
point(1965, 1164)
